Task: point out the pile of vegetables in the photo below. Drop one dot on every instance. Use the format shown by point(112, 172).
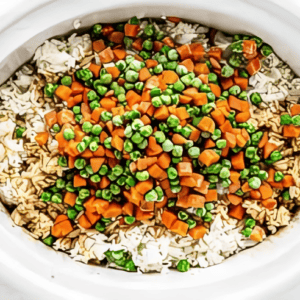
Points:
point(165, 129)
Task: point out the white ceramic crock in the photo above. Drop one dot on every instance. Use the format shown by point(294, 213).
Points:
point(267, 271)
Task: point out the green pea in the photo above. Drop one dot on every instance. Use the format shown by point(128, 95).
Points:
point(129, 220)
point(167, 146)
point(254, 182)
point(221, 143)
point(80, 163)
point(207, 217)
point(151, 196)
point(56, 198)
point(115, 189)
point(137, 124)
point(255, 98)
point(46, 196)
point(266, 50)
point(142, 175)
point(285, 120)
point(20, 131)
point(49, 240)
point(247, 232)
point(100, 227)
point(49, 89)
point(118, 170)
point(103, 170)
point(97, 28)
point(159, 136)
point(183, 215)
point(227, 71)
point(286, 196)
point(62, 161)
point(278, 176)
point(183, 265)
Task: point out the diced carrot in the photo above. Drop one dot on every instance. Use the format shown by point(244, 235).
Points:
point(234, 199)
point(42, 138)
point(99, 45)
point(268, 149)
point(79, 181)
point(197, 50)
point(184, 168)
point(161, 113)
point(144, 186)
point(128, 209)
point(197, 232)
point(61, 229)
point(106, 55)
point(107, 103)
point(207, 124)
point(234, 176)
point(174, 19)
point(178, 139)
point(196, 201)
point(65, 116)
point(77, 88)
point(216, 90)
point(51, 118)
point(164, 160)
point(255, 194)
point(185, 52)
point(117, 143)
point(157, 45)
point(180, 227)
point(231, 139)
point(187, 181)
point(257, 234)
point(226, 83)
point(295, 110)
point(237, 104)
point(119, 54)
point(265, 190)
point(96, 163)
point(201, 68)
point(240, 141)
point(131, 30)
point(113, 71)
point(168, 218)
point(169, 77)
point(168, 41)
point(238, 161)
point(288, 181)
point(226, 127)
point(151, 63)
point(241, 82)
point(237, 212)
point(133, 98)
point(211, 196)
point(142, 216)
point(161, 204)
point(138, 44)
point(188, 63)
point(233, 187)
point(208, 157)
point(144, 74)
point(215, 52)
point(270, 204)
point(291, 131)
point(253, 66)
point(209, 143)
point(263, 140)
point(156, 172)
point(70, 198)
point(242, 117)
point(116, 37)
point(182, 113)
point(63, 92)
point(113, 211)
point(104, 182)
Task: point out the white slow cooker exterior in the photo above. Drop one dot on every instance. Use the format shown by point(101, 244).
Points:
point(268, 271)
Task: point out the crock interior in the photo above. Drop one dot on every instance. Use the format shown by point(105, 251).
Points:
point(39, 271)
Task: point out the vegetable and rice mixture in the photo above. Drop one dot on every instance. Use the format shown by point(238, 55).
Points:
point(151, 144)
